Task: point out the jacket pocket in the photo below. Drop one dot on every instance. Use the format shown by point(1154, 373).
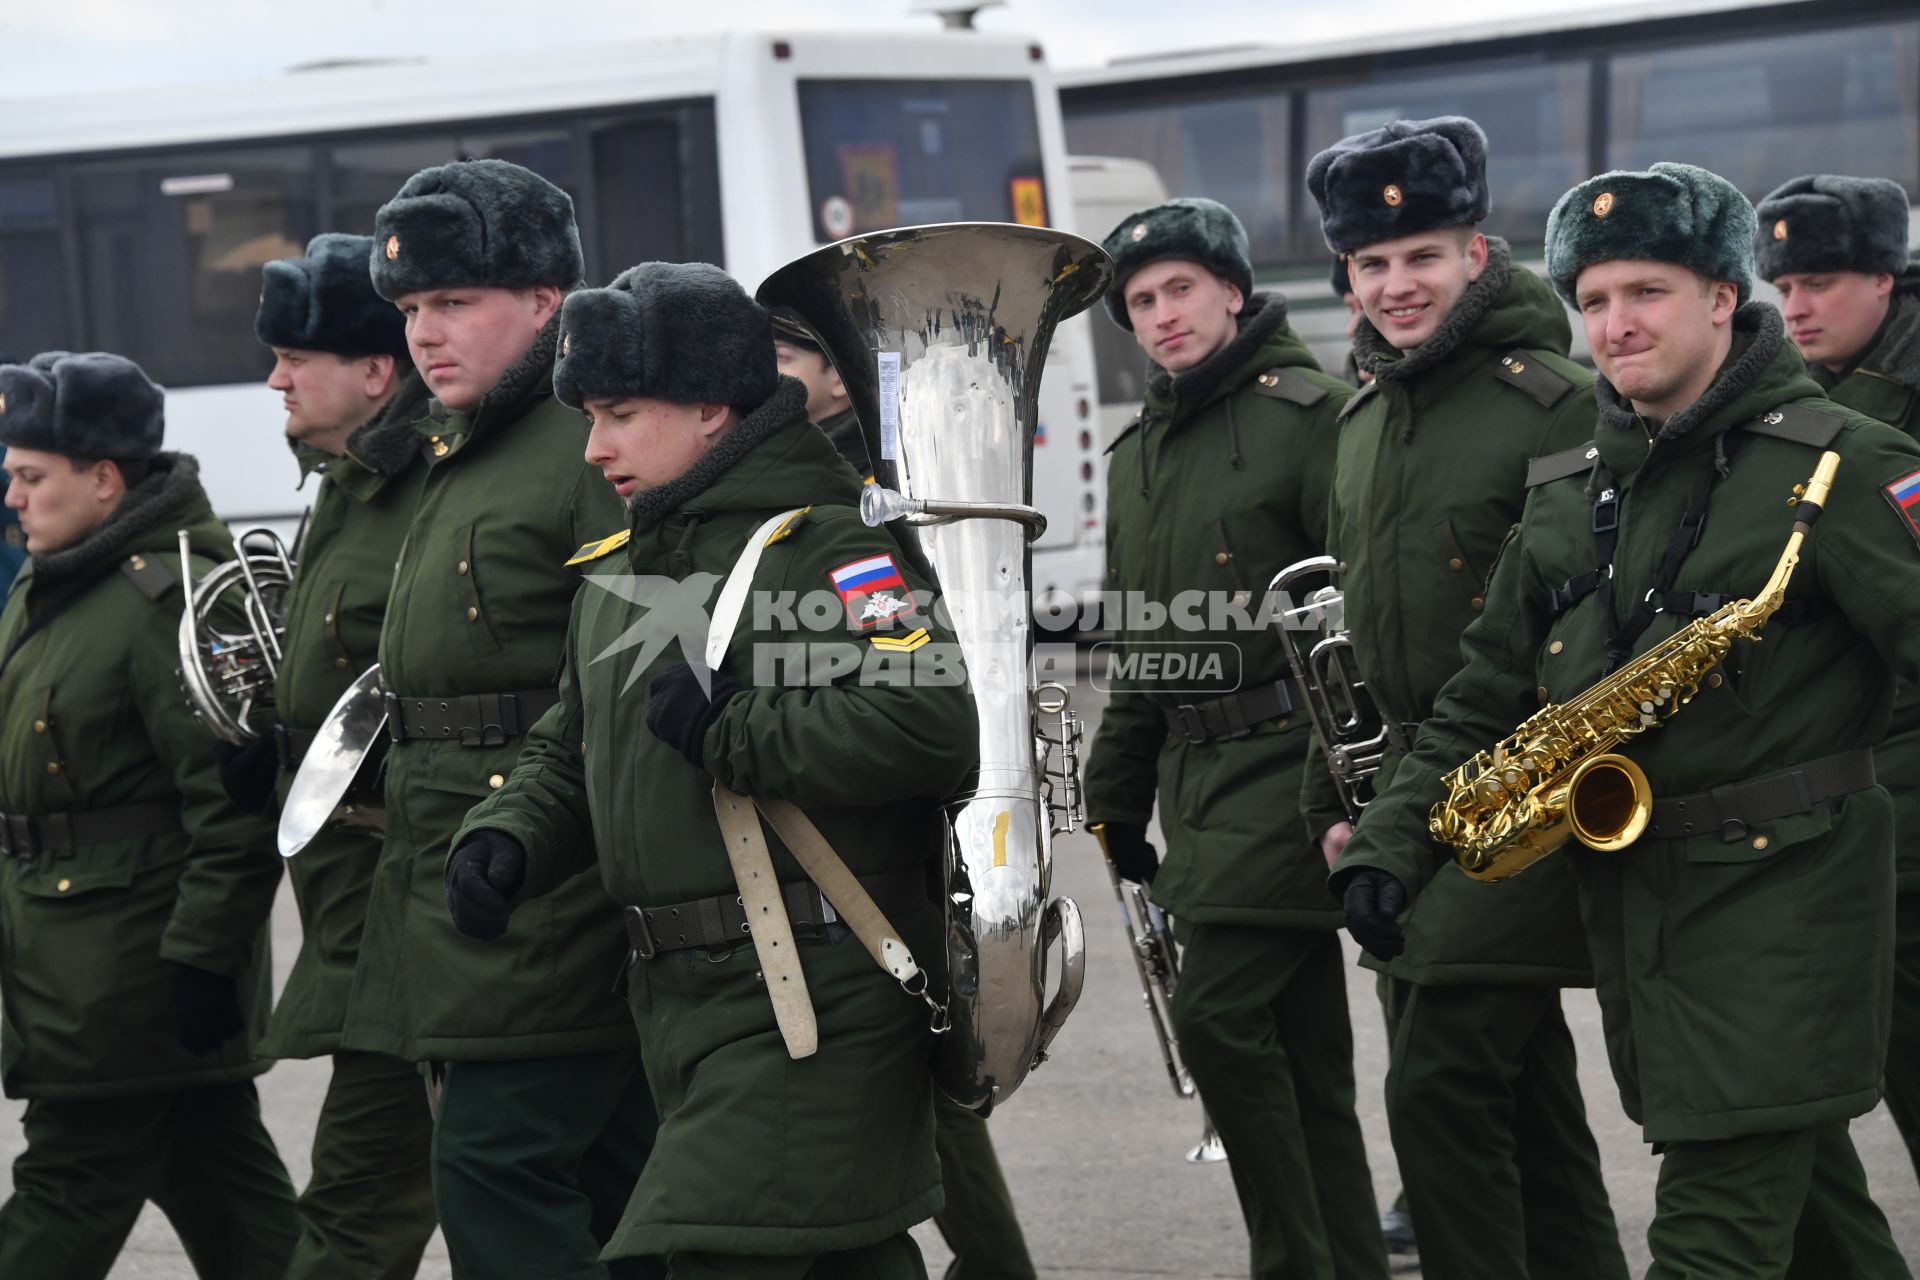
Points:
point(467, 573)
point(1762, 840)
point(1459, 566)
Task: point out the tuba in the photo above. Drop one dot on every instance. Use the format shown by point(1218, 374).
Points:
point(229, 674)
point(940, 334)
point(1352, 730)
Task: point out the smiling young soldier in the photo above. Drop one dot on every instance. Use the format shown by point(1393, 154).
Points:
point(766, 1166)
point(1218, 485)
point(134, 893)
point(1742, 945)
point(1836, 248)
point(1471, 379)
point(544, 1116)
point(351, 395)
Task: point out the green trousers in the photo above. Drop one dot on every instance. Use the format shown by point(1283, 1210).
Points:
point(533, 1162)
point(202, 1155)
point(1501, 1172)
point(897, 1258)
point(978, 1222)
point(367, 1212)
point(1903, 1050)
point(1775, 1206)
point(1261, 1015)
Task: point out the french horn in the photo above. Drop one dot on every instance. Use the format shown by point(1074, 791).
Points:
point(231, 631)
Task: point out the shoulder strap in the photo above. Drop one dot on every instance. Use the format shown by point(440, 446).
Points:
point(1800, 423)
point(150, 574)
point(1357, 399)
point(1125, 431)
point(600, 547)
point(1283, 383)
point(1523, 370)
point(1558, 466)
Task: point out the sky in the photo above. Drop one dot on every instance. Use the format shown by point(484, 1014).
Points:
point(80, 46)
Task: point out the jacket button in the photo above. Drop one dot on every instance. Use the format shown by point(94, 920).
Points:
point(39, 726)
point(1555, 647)
point(340, 663)
point(473, 614)
point(1715, 680)
point(439, 446)
point(1221, 557)
point(1478, 603)
point(63, 886)
point(53, 766)
point(328, 619)
point(1543, 693)
point(496, 781)
point(461, 568)
point(1759, 842)
point(1456, 564)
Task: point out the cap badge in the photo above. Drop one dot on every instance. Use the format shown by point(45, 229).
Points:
point(393, 248)
point(1392, 195)
point(1138, 233)
point(1780, 229)
point(3, 404)
point(1603, 204)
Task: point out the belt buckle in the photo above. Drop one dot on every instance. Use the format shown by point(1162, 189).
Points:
point(639, 937)
point(1186, 718)
point(396, 722)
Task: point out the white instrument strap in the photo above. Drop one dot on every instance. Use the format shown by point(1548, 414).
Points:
point(767, 922)
point(842, 888)
point(733, 596)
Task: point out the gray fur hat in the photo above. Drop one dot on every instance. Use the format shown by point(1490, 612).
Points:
point(93, 405)
point(680, 331)
point(1399, 180)
point(1830, 222)
point(475, 223)
point(1674, 213)
point(325, 301)
point(1190, 229)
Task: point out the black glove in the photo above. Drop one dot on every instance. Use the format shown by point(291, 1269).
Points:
point(483, 874)
point(249, 772)
point(1373, 901)
point(679, 713)
point(206, 1009)
point(1134, 857)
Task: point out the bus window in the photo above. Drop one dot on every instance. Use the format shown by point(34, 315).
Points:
point(1760, 111)
point(1535, 117)
point(889, 153)
point(33, 290)
point(1233, 149)
point(1119, 364)
point(171, 249)
point(365, 175)
point(656, 188)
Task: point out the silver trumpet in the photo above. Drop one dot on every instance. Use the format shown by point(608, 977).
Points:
point(230, 647)
point(940, 334)
point(1156, 957)
point(1353, 732)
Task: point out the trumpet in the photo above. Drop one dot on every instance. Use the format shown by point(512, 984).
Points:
point(1156, 957)
point(229, 674)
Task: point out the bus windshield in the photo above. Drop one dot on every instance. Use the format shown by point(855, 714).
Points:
point(890, 153)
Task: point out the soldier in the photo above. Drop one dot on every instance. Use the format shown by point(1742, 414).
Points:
point(1351, 373)
point(544, 1118)
point(1742, 945)
point(1217, 485)
point(1836, 249)
point(352, 396)
point(13, 543)
point(134, 894)
point(1471, 379)
point(978, 1222)
point(766, 1165)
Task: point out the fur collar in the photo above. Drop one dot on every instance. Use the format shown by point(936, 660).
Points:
point(387, 443)
point(1388, 363)
point(780, 410)
point(160, 504)
point(1264, 315)
point(1764, 332)
point(1895, 354)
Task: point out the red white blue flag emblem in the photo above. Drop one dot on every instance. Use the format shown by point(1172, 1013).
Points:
point(872, 590)
point(1904, 493)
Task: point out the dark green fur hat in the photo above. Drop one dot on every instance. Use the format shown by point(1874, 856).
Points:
point(680, 331)
point(476, 223)
point(1399, 180)
point(1829, 222)
point(1191, 229)
point(1676, 213)
point(325, 302)
point(93, 405)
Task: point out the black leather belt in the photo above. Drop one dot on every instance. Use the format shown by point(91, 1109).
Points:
point(291, 746)
point(721, 921)
point(472, 719)
point(1234, 716)
point(26, 837)
point(1733, 807)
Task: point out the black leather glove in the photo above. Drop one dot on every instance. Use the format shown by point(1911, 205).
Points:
point(249, 772)
point(1134, 856)
point(484, 872)
point(679, 712)
point(1373, 901)
point(206, 1009)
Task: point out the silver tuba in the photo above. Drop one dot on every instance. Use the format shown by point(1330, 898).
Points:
point(230, 648)
point(940, 334)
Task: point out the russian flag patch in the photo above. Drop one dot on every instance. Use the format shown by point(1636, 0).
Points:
point(1904, 494)
point(872, 590)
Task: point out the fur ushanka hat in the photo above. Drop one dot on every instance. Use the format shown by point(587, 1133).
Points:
point(1674, 213)
point(325, 301)
point(1399, 180)
point(94, 405)
point(1830, 222)
point(475, 223)
point(679, 331)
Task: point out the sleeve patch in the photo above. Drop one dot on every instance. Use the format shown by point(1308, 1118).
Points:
point(873, 591)
point(902, 644)
point(1904, 494)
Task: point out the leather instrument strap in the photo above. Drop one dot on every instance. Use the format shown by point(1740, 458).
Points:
point(767, 922)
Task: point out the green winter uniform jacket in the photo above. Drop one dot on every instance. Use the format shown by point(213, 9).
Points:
point(757, 1153)
point(1218, 485)
point(1431, 474)
point(479, 606)
point(93, 719)
point(332, 634)
point(1744, 976)
point(1885, 384)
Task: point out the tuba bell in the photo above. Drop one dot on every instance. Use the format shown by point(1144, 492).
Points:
point(230, 633)
point(940, 334)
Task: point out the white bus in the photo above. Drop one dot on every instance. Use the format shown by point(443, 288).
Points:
point(138, 222)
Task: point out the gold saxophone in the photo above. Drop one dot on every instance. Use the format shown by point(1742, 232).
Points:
point(1559, 774)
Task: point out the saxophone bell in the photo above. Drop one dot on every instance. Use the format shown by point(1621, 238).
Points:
point(1605, 804)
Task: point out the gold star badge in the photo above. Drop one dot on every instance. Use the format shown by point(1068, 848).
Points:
point(393, 248)
point(1392, 195)
point(1603, 204)
point(1780, 229)
point(1138, 233)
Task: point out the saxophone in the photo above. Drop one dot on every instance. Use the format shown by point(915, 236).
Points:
point(1560, 775)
